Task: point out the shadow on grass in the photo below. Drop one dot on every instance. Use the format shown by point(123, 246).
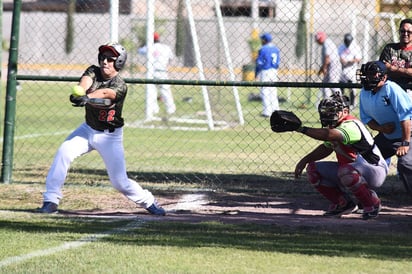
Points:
point(254, 237)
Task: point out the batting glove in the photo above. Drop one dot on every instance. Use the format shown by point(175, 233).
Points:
point(78, 101)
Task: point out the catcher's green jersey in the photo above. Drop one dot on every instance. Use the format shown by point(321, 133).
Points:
point(357, 139)
point(101, 118)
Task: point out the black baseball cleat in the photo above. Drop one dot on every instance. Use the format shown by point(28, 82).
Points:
point(337, 210)
point(359, 209)
point(48, 207)
point(155, 209)
point(372, 212)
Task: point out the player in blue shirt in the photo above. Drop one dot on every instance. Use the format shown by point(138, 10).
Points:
point(267, 64)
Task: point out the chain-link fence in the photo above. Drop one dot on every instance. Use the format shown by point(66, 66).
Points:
point(217, 129)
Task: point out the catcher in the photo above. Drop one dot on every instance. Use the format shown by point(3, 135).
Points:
point(360, 167)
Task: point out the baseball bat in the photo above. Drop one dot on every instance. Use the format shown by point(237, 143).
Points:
point(99, 101)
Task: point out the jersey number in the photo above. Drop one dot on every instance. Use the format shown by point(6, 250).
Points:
point(107, 116)
point(274, 58)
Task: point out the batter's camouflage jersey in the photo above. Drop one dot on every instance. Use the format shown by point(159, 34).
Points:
point(102, 118)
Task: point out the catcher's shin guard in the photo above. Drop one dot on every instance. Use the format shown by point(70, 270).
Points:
point(351, 178)
point(333, 194)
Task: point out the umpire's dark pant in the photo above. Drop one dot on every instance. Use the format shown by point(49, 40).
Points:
point(388, 148)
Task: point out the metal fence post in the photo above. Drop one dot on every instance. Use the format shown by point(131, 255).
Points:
point(10, 113)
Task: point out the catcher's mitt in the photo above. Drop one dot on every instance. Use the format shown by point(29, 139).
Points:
point(282, 121)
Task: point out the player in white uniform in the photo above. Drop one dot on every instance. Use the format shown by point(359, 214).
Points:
point(102, 131)
point(331, 68)
point(162, 55)
point(350, 57)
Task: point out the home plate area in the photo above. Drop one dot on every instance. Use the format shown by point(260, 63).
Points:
point(299, 212)
point(293, 211)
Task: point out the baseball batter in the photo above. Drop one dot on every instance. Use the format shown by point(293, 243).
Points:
point(102, 131)
point(359, 169)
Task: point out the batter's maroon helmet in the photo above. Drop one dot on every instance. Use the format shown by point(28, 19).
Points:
point(119, 51)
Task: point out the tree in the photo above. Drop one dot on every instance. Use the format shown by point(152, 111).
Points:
point(300, 48)
point(71, 9)
point(180, 30)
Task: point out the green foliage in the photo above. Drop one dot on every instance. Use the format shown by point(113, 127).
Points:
point(70, 26)
point(180, 30)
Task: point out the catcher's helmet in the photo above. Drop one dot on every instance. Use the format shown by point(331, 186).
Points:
point(370, 74)
point(330, 107)
point(347, 39)
point(119, 51)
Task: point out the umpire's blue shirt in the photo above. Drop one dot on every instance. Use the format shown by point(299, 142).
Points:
point(389, 104)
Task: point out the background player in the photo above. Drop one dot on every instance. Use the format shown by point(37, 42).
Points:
point(102, 131)
point(331, 68)
point(267, 64)
point(162, 55)
point(360, 166)
point(350, 57)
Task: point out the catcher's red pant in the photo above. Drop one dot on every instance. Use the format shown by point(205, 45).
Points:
point(324, 175)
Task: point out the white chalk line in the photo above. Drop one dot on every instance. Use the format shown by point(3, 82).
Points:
point(191, 202)
point(70, 245)
point(29, 136)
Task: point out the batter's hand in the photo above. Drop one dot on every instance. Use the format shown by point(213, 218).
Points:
point(78, 101)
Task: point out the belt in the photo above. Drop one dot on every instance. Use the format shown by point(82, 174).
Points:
point(108, 130)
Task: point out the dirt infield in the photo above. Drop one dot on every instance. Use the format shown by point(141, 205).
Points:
point(298, 212)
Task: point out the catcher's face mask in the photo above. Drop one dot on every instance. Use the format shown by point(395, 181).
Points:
point(371, 74)
point(329, 112)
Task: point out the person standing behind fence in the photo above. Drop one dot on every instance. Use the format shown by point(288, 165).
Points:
point(162, 55)
point(331, 68)
point(398, 57)
point(350, 57)
point(267, 64)
point(102, 131)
